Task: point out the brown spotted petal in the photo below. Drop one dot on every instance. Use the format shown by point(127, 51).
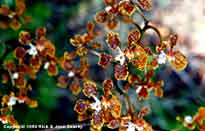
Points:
point(96, 45)
point(20, 81)
point(200, 116)
point(62, 81)
point(115, 106)
point(143, 112)
point(24, 37)
point(129, 53)
point(87, 37)
point(126, 87)
point(145, 4)
point(15, 24)
point(142, 92)
point(158, 91)
point(84, 61)
point(9, 119)
point(90, 26)
point(5, 77)
point(10, 65)
point(49, 48)
point(5, 100)
point(110, 2)
point(82, 72)
point(201, 127)
point(108, 85)
point(67, 65)
point(154, 63)
point(89, 88)
point(31, 103)
point(178, 60)
point(69, 55)
point(20, 52)
point(121, 72)
point(83, 117)
point(81, 51)
point(134, 35)
point(4, 10)
point(104, 59)
point(112, 11)
point(113, 124)
point(101, 17)
point(27, 19)
point(113, 40)
point(126, 19)
point(52, 69)
point(23, 68)
point(133, 78)
point(122, 129)
point(20, 7)
point(162, 46)
point(142, 124)
point(40, 32)
point(75, 87)
point(77, 41)
point(124, 120)
point(35, 62)
point(107, 116)
point(173, 40)
point(112, 23)
point(126, 8)
point(4, 25)
point(97, 120)
point(188, 124)
point(81, 106)
point(94, 129)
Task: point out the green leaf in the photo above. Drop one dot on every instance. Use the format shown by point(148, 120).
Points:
point(8, 113)
point(2, 49)
point(10, 3)
point(47, 90)
point(38, 16)
point(149, 59)
point(135, 70)
point(36, 116)
point(8, 34)
point(9, 57)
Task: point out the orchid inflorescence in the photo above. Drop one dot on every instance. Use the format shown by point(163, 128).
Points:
point(13, 18)
point(195, 122)
point(29, 56)
point(102, 109)
point(105, 110)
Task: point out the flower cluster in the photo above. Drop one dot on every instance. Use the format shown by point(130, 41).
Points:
point(197, 121)
point(102, 103)
point(166, 49)
point(29, 56)
point(13, 17)
point(113, 9)
point(105, 109)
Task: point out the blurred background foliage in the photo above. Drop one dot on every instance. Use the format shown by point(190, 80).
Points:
point(64, 18)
